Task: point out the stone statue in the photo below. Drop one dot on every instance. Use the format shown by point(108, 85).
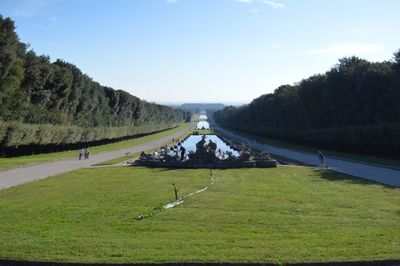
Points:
point(201, 144)
point(245, 153)
point(204, 152)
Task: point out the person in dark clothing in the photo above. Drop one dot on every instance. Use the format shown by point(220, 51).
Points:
point(321, 157)
point(183, 151)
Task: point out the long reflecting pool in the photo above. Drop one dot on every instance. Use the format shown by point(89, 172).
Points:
point(190, 144)
point(203, 125)
point(203, 117)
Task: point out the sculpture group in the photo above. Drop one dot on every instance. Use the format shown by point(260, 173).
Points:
point(205, 152)
point(206, 155)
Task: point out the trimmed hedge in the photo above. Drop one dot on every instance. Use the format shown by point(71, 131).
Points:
point(14, 134)
point(373, 139)
point(3, 131)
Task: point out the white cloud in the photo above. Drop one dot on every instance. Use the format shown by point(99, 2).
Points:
point(272, 4)
point(254, 10)
point(347, 49)
point(172, 1)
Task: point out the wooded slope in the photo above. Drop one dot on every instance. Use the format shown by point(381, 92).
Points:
point(55, 103)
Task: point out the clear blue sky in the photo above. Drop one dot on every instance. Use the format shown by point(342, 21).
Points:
point(205, 50)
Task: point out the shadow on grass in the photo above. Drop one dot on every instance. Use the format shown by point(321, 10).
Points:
point(167, 169)
point(286, 161)
point(154, 169)
point(331, 175)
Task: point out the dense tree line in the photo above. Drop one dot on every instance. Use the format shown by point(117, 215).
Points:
point(354, 106)
point(34, 90)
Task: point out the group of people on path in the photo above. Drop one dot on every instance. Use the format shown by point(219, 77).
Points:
point(84, 154)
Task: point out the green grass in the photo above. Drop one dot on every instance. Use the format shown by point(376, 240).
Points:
point(120, 159)
point(344, 155)
point(204, 131)
point(39, 158)
point(285, 214)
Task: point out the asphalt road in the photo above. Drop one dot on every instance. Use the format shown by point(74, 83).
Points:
point(16, 176)
point(380, 174)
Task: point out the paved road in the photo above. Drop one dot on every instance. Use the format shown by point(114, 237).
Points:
point(388, 176)
point(16, 176)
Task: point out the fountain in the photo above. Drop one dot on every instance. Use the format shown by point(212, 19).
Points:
point(209, 152)
point(205, 151)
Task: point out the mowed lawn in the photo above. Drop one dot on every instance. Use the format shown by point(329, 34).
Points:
point(287, 214)
point(46, 157)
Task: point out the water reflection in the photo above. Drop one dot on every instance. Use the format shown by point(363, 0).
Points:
point(190, 143)
point(203, 117)
point(203, 125)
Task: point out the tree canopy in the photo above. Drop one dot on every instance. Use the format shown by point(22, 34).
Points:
point(359, 96)
point(34, 90)
point(38, 96)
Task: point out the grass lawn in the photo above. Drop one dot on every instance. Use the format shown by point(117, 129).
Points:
point(39, 158)
point(204, 131)
point(121, 159)
point(285, 214)
point(343, 155)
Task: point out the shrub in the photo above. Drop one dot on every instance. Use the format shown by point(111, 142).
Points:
point(14, 134)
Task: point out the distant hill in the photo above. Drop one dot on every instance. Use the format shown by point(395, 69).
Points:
point(202, 106)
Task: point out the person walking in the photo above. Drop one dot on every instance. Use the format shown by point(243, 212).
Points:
point(80, 153)
point(87, 153)
point(321, 157)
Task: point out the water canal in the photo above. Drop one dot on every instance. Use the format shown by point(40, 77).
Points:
point(190, 144)
point(203, 125)
point(203, 117)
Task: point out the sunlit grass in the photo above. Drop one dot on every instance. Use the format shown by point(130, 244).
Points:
point(287, 214)
point(204, 131)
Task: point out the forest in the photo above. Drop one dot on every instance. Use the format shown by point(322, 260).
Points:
point(54, 103)
point(354, 106)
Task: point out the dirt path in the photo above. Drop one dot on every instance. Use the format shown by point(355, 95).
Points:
point(380, 174)
point(16, 176)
